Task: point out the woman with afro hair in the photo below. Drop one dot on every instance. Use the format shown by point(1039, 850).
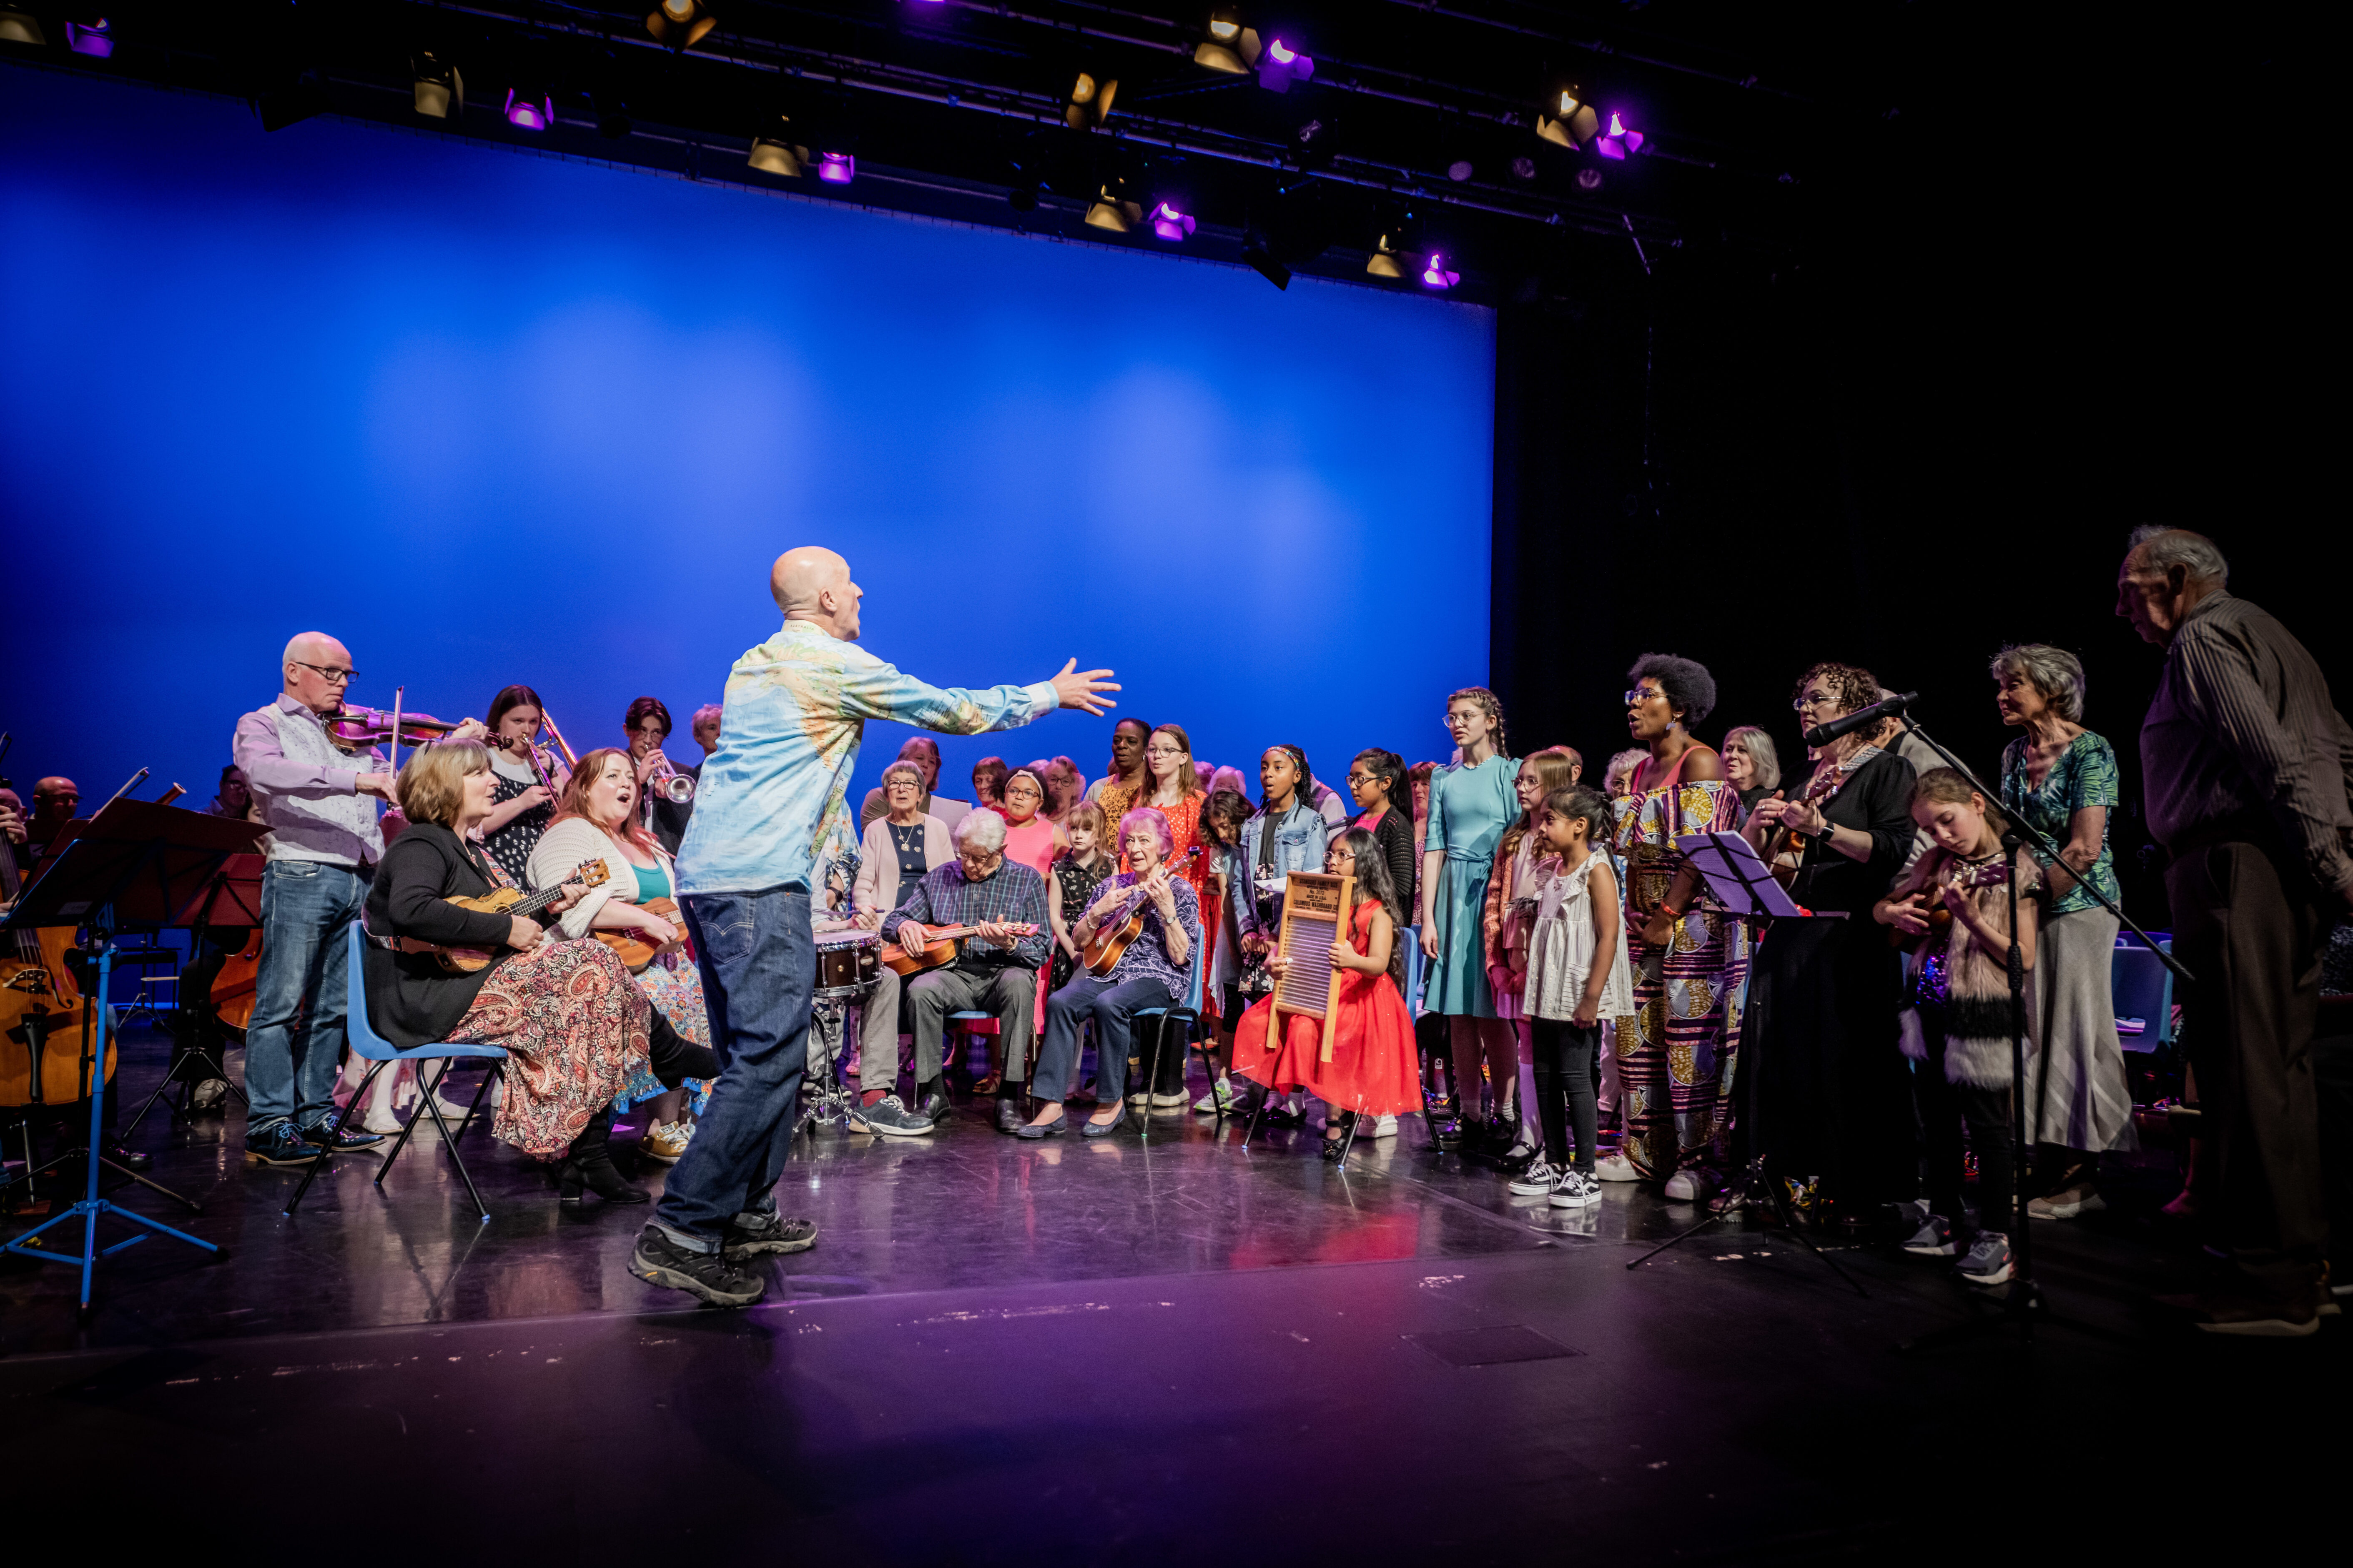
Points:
point(1690, 957)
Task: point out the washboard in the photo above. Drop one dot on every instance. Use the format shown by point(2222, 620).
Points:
point(1315, 911)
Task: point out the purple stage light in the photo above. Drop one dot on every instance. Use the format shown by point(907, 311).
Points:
point(530, 114)
point(1435, 276)
point(93, 37)
point(1281, 65)
point(1171, 225)
point(837, 168)
point(1617, 141)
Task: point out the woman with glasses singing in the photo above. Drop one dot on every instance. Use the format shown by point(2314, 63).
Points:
point(1690, 957)
point(1829, 1104)
point(1470, 803)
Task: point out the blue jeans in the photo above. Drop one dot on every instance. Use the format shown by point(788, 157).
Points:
point(758, 965)
point(292, 1052)
point(1113, 1009)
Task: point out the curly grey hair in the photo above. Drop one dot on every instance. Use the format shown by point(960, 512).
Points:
point(2054, 671)
point(2162, 547)
point(983, 829)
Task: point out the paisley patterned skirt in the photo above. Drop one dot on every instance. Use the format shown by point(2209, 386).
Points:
point(572, 1022)
point(673, 984)
point(1677, 1049)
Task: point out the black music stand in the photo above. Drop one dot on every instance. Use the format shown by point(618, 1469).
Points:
point(230, 897)
point(1742, 882)
point(134, 863)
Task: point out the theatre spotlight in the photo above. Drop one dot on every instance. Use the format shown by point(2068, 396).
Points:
point(1568, 120)
point(527, 112)
point(1616, 142)
point(680, 24)
point(1589, 180)
point(1090, 103)
point(772, 153)
point(837, 168)
point(1281, 65)
point(1385, 260)
point(439, 87)
point(1435, 275)
point(1109, 211)
point(18, 27)
point(1170, 224)
point(1226, 46)
point(94, 38)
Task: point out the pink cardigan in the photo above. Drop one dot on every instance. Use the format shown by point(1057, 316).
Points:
point(878, 890)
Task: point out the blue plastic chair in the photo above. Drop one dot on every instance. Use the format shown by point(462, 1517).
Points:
point(365, 1042)
point(1186, 1017)
point(2142, 987)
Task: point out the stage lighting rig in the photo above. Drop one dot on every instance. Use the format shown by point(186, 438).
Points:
point(1385, 260)
point(679, 25)
point(1617, 141)
point(1567, 119)
point(837, 168)
point(21, 28)
point(1090, 101)
point(1111, 208)
point(530, 106)
point(94, 38)
point(1434, 274)
point(1171, 222)
point(1281, 65)
point(773, 152)
point(1226, 45)
point(440, 87)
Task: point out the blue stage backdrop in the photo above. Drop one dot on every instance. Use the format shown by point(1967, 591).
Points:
point(491, 418)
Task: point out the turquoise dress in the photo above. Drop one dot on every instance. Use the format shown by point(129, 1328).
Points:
point(1469, 809)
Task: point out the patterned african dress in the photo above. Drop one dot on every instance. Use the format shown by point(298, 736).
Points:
point(574, 1027)
point(1677, 1049)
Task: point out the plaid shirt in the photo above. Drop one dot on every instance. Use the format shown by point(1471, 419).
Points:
point(946, 897)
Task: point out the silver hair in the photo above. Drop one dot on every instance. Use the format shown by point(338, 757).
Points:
point(2166, 547)
point(711, 711)
point(983, 829)
point(2055, 672)
point(1760, 750)
point(910, 769)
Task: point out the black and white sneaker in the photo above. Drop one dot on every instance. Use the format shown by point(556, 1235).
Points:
point(709, 1276)
point(1933, 1238)
point(773, 1232)
point(1536, 1182)
point(889, 1118)
point(1987, 1262)
point(279, 1145)
point(343, 1140)
point(1575, 1190)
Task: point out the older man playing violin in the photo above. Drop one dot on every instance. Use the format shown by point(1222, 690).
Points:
point(1002, 904)
point(1153, 971)
point(319, 797)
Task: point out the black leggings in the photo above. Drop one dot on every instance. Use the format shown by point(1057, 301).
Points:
point(1564, 1055)
point(1945, 1106)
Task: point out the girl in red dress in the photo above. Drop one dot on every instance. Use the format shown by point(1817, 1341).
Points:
point(1375, 1069)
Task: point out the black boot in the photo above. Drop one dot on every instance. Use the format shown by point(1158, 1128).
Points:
point(590, 1166)
point(674, 1057)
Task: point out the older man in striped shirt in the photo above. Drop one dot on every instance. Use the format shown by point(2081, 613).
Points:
point(2244, 759)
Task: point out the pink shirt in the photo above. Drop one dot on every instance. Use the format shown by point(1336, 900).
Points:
point(1032, 843)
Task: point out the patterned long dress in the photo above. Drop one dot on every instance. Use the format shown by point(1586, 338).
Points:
point(574, 1027)
point(673, 984)
point(1677, 1049)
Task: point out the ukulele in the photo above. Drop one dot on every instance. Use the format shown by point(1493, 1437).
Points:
point(635, 948)
point(510, 902)
point(1992, 874)
point(946, 943)
point(1118, 933)
point(1783, 853)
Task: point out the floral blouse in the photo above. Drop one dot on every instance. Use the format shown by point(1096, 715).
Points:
point(2083, 775)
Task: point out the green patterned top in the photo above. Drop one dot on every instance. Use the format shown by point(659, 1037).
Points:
point(2084, 774)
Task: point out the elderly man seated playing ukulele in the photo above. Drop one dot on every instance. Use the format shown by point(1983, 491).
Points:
point(971, 937)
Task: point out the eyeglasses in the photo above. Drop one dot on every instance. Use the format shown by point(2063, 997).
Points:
point(1637, 697)
point(1813, 700)
point(1162, 752)
point(1358, 778)
point(653, 731)
point(340, 677)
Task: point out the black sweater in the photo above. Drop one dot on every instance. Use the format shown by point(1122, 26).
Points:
point(412, 1001)
point(1393, 837)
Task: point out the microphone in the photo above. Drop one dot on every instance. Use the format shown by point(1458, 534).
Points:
point(1862, 718)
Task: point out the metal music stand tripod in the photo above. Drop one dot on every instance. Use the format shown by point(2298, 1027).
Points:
point(138, 863)
point(231, 896)
point(1743, 883)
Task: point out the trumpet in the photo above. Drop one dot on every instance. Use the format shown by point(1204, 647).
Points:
point(667, 782)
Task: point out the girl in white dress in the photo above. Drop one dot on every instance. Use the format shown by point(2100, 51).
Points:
point(1577, 975)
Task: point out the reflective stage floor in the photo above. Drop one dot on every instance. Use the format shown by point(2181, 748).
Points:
point(1007, 1351)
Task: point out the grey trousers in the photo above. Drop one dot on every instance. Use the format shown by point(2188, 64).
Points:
point(878, 1038)
point(1010, 993)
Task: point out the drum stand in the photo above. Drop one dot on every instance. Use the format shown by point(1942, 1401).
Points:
point(828, 1102)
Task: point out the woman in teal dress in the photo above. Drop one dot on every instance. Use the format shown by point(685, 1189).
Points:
point(2060, 778)
point(1470, 803)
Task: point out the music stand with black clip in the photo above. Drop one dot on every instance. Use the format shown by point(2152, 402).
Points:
point(1730, 868)
point(231, 896)
point(135, 863)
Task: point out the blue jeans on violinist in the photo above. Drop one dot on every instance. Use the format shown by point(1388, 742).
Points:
point(293, 1053)
point(759, 963)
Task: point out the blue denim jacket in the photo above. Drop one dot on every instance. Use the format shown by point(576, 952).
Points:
point(1300, 837)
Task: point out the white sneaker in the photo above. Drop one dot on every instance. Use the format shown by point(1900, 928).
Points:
point(1221, 1097)
point(1575, 1190)
point(1386, 1127)
point(1537, 1182)
point(1690, 1186)
point(1616, 1168)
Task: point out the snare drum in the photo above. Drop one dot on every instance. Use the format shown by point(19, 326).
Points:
point(848, 963)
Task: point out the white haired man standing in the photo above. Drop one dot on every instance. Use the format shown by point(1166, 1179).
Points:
point(2243, 758)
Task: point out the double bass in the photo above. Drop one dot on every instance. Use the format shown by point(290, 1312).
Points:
point(44, 1023)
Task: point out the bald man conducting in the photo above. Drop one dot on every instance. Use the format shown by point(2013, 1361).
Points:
point(323, 845)
point(770, 821)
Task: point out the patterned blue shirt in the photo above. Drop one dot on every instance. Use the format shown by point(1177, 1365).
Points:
point(1146, 957)
point(768, 809)
point(946, 897)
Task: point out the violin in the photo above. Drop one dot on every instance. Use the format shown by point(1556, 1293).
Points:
point(358, 729)
point(1992, 874)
